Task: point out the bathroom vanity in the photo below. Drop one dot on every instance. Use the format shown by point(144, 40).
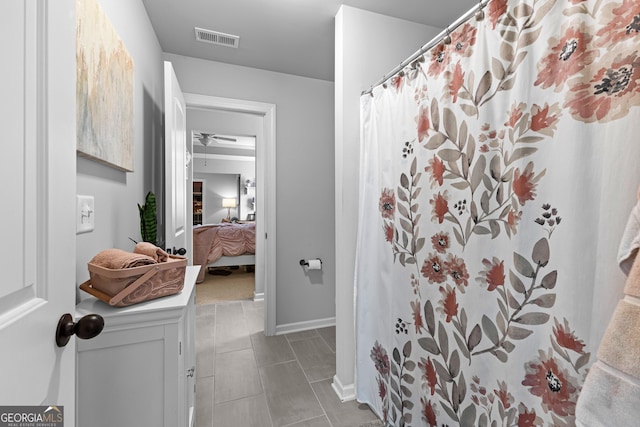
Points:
point(140, 371)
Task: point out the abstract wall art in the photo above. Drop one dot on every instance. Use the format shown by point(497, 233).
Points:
point(104, 94)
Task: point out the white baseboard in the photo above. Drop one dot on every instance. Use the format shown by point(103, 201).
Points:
point(345, 392)
point(305, 326)
point(258, 296)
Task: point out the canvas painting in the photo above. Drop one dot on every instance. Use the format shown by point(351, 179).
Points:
point(104, 94)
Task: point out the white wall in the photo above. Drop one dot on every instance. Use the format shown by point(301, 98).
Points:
point(118, 193)
point(368, 45)
point(304, 176)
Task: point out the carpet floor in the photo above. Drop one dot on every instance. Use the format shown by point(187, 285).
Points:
point(225, 285)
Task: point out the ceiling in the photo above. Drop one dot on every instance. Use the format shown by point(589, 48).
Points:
point(287, 36)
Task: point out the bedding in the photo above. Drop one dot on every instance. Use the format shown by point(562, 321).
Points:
point(213, 241)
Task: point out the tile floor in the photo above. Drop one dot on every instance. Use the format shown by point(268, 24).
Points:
point(244, 379)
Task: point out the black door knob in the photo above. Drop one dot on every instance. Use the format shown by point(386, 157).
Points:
point(180, 251)
point(87, 327)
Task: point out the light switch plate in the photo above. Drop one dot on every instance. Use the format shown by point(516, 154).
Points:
point(84, 214)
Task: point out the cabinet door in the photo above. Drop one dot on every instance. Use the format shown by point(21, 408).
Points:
point(123, 378)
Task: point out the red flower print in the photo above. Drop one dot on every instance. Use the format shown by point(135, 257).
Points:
point(429, 414)
point(417, 316)
point(388, 232)
point(513, 218)
point(429, 376)
point(524, 183)
point(440, 242)
point(463, 39)
point(503, 395)
point(621, 22)
point(448, 305)
point(382, 388)
point(493, 274)
point(552, 384)
point(423, 123)
point(566, 337)
point(440, 206)
point(397, 82)
point(456, 80)
point(568, 57)
point(421, 93)
point(457, 269)
point(528, 418)
point(380, 359)
point(515, 114)
point(610, 93)
point(387, 203)
point(544, 119)
point(496, 9)
point(433, 269)
point(436, 169)
point(439, 60)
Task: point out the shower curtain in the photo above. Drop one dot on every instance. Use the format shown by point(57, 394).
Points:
point(497, 173)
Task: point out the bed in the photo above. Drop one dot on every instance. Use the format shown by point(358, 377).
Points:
point(225, 244)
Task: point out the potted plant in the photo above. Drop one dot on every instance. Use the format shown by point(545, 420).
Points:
point(148, 221)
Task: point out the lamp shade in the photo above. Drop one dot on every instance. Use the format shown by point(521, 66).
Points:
point(228, 203)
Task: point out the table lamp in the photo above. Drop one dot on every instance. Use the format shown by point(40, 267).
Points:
point(229, 203)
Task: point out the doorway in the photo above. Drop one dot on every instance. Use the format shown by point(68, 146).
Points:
point(265, 193)
point(229, 278)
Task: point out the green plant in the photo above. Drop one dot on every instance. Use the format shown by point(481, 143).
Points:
point(148, 222)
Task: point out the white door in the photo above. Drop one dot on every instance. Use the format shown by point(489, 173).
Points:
point(175, 130)
point(37, 171)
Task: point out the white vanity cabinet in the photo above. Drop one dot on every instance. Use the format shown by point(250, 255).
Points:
point(140, 371)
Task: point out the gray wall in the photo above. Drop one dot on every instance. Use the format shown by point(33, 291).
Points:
point(220, 167)
point(216, 187)
point(118, 193)
point(304, 177)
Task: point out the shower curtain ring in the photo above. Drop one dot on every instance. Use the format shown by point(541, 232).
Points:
point(447, 38)
point(480, 12)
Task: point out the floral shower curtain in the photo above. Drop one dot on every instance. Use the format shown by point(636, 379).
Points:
point(494, 177)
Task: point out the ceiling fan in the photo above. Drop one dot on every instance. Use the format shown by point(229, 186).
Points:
point(206, 139)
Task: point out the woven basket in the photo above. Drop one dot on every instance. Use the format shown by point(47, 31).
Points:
point(126, 286)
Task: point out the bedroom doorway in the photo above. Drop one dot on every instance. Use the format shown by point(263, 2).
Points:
point(264, 191)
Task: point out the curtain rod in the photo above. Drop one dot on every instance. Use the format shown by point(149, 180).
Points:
point(447, 31)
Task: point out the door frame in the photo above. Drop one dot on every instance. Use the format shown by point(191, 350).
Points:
point(266, 178)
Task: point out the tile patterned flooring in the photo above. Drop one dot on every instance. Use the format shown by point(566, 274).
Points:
point(246, 379)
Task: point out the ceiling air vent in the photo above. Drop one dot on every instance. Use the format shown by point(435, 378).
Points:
point(215, 37)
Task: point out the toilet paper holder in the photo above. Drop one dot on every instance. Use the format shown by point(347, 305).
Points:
point(306, 263)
